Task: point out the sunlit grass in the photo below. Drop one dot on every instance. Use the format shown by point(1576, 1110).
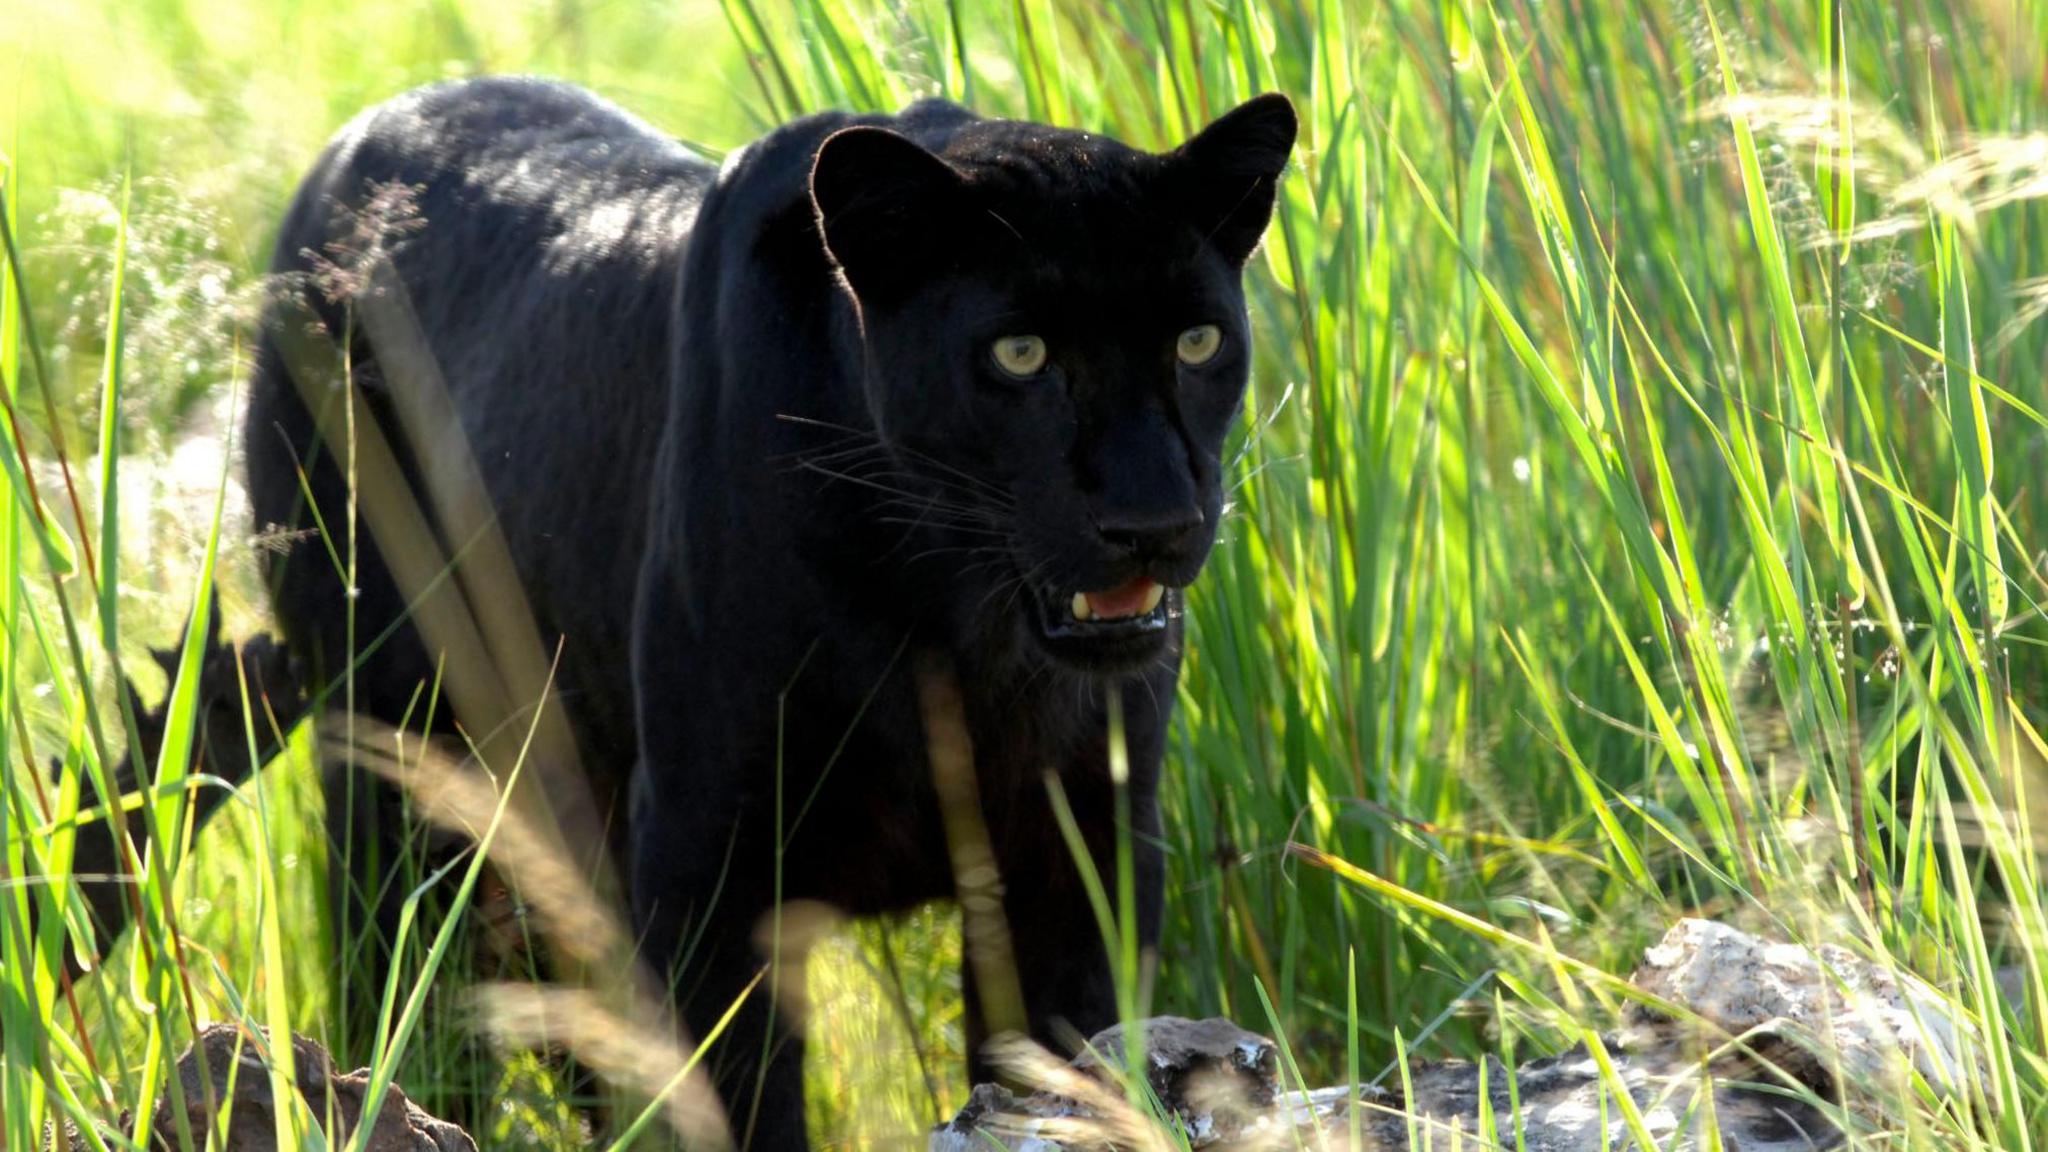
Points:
point(1639, 513)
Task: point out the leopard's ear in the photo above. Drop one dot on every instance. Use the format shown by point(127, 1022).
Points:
point(1224, 178)
point(881, 202)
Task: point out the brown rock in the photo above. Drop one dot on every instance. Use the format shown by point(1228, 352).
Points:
point(1214, 1075)
point(225, 1067)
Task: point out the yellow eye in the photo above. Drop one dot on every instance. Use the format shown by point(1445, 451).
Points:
point(1019, 355)
point(1198, 345)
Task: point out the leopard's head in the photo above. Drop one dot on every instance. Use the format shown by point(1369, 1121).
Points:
point(1057, 347)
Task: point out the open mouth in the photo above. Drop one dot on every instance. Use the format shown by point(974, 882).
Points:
point(1134, 609)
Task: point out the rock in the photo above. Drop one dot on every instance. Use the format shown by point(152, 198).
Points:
point(1825, 1019)
point(228, 1057)
point(1216, 1076)
point(1560, 1097)
point(1561, 1101)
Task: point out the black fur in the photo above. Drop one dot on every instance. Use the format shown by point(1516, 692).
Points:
point(754, 498)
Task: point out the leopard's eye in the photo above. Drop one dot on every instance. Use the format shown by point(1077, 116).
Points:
point(1198, 345)
point(1019, 355)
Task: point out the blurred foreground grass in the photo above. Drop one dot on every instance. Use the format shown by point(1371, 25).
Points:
point(1641, 512)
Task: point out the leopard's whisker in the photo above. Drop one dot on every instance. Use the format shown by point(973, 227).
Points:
point(985, 486)
point(922, 500)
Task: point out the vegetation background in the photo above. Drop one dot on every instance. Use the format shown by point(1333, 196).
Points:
point(1641, 512)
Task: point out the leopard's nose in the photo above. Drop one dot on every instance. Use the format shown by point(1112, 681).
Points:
point(1156, 532)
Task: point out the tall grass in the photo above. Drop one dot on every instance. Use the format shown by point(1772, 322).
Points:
point(1639, 511)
